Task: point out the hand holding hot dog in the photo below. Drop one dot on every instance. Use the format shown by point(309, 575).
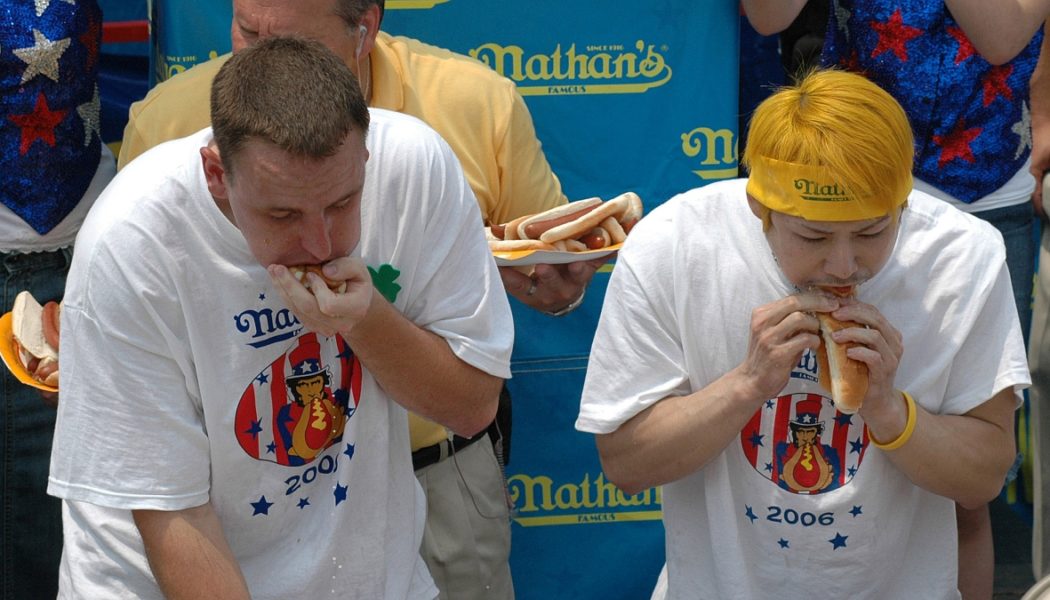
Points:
point(318, 307)
point(780, 332)
point(879, 345)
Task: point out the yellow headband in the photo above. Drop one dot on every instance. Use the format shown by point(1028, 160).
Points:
point(809, 192)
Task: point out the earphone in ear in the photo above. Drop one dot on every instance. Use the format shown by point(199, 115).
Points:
point(362, 32)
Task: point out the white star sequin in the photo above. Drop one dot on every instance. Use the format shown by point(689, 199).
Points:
point(1023, 129)
point(842, 19)
point(41, 5)
point(89, 113)
point(42, 58)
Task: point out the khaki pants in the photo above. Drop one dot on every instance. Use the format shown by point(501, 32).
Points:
point(466, 542)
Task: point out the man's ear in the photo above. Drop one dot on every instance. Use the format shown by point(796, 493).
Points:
point(756, 207)
point(371, 21)
point(214, 173)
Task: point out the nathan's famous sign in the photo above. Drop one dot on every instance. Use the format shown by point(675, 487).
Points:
point(717, 149)
point(591, 69)
point(542, 501)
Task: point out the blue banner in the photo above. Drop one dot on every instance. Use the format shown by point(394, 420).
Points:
point(642, 100)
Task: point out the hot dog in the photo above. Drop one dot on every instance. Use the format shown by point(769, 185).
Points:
point(535, 226)
point(595, 239)
point(634, 211)
point(300, 271)
point(570, 246)
point(35, 333)
point(588, 221)
point(51, 317)
point(616, 232)
point(844, 377)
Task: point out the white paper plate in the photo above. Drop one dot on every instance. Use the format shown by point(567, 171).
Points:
point(524, 258)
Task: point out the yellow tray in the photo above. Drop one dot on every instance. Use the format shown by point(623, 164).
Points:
point(10, 356)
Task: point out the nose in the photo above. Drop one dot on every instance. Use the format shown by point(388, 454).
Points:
point(841, 263)
point(315, 237)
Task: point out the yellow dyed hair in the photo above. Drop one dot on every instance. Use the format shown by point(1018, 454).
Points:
point(846, 125)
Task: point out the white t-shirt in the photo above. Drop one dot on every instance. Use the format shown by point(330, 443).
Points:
point(756, 522)
point(179, 363)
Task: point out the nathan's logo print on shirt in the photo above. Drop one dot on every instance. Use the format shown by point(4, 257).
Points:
point(300, 404)
point(802, 443)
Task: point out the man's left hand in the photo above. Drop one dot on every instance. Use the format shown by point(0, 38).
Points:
point(551, 288)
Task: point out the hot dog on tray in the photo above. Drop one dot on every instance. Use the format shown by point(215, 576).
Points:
point(574, 227)
point(845, 378)
point(35, 332)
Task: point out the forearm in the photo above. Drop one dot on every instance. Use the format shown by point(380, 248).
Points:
point(188, 554)
point(962, 457)
point(999, 34)
point(676, 436)
point(772, 16)
point(419, 371)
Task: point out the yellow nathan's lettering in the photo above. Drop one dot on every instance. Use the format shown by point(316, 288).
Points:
point(568, 496)
point(523, 491)
point(708, 140)
point(499, 58)
point(653, 64)
point(538, 67)
point(543, 502)
point(574, 71)
point(173, 70)
point(407, 4)
point(718, 149)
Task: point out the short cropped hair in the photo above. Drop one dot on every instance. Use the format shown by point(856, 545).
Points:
point(351, 11)
point(293, 93)
point(843, 122)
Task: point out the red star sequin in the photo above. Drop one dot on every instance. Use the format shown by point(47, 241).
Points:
point(39, 124)
point(966, 49)
point(90, 39)
point(994, 83)
point(852, 62)
point(894, 35)
point(956, 144)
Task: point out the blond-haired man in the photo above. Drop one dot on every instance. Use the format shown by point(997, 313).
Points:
point(703, 360)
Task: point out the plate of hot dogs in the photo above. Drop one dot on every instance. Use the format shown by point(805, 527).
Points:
point(29, 342)
point(580, 230)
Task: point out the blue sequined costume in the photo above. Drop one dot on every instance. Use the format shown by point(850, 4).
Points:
point(970, 138)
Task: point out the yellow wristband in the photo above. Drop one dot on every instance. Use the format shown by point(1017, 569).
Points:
point(909, 427)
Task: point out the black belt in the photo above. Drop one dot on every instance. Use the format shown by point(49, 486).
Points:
point(424, 457)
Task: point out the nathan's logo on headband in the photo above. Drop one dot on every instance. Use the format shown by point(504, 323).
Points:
point(815, 193)
point(821, 192)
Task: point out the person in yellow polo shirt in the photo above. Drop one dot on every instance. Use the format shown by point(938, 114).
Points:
point(485, 121)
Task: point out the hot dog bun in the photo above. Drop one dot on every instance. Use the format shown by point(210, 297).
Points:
point(845, 378)
point(574, 229)
point(35, 334)
point(535, 226)
point(300, 271)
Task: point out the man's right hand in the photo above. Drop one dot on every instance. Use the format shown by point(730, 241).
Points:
point(780, 332)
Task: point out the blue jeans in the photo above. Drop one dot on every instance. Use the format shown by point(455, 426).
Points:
point(30, 520)
point(1017, 224)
